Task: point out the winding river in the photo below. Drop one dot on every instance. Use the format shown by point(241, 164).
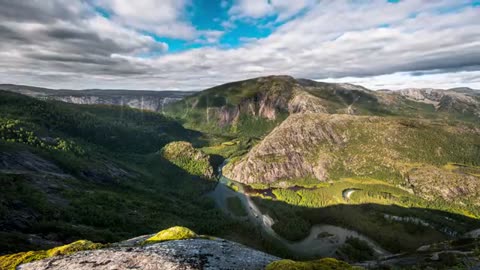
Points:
point(322, 241)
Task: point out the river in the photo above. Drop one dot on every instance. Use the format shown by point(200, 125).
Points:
point(322, 241)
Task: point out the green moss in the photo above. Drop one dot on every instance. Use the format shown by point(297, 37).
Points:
point(10, 262)
point(73, 247)
point(174, 233)
point(322, 264)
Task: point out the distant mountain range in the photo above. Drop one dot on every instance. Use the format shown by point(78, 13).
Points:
point(139, 99)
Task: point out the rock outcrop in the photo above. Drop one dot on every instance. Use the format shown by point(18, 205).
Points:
point(179, 254)
point(289, 151)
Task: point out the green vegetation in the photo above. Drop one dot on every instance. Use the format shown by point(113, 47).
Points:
point(371, 220)
point(10, 262)
point(108, 173)
point(366, 191)
point(214, 110)
point(173, 233)
point(322, 264)
point(356, 250)
point(235, 206)
point(106, 184)
point(188, 158)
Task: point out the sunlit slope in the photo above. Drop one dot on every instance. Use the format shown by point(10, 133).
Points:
point(430, 158)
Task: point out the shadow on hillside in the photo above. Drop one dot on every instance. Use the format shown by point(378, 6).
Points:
point(393, 228)
point(169, 196)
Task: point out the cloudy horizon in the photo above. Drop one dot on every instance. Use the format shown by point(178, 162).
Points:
point(193, 45)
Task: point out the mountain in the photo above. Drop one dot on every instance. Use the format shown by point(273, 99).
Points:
point(464, 101)
point(310, 153)
point(254, 107)
point(139, 99)
point(292, 167)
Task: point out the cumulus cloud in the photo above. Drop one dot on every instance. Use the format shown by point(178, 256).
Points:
point(163, 17)
point(407, 44)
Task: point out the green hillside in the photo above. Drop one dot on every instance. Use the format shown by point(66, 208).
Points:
point(92, 172)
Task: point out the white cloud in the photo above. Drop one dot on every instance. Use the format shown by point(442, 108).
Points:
point(404, 80)
point(334, 40)
point(284, 9)
point(165, 17)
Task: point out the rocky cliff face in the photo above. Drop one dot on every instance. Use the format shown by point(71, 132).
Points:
point(288, 152)
point(138, 99)
point(326, 147)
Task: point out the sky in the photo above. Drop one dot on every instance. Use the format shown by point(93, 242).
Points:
point(196, 44)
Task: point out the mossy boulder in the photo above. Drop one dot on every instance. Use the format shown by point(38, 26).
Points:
point(11, 261)
point(185, 156)
point(173, 233)
point(322, 264)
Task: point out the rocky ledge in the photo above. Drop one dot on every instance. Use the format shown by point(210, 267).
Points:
point(179, 254)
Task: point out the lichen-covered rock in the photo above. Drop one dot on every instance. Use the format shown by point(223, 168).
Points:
point(179, 254)
point(185, 156)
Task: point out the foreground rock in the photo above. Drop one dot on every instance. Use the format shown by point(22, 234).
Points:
point(179, 254)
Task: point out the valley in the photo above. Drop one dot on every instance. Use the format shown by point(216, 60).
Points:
point(296, 168)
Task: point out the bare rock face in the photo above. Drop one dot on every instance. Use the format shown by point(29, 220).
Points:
point(181, 254)
point(453, 100)
point(286, 153)
point(303, 102)
point(423, 94)
point(430, 182)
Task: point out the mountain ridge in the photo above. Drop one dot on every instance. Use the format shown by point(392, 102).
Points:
point(139, 99)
